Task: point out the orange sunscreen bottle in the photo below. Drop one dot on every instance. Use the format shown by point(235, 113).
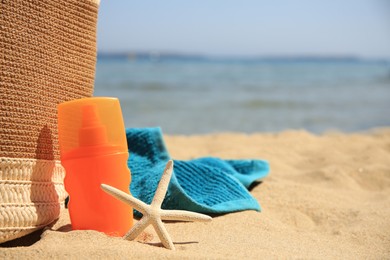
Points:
point(93, 151)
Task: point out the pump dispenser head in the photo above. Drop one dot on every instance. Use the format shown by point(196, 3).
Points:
point(90, 122)
point(92, 131)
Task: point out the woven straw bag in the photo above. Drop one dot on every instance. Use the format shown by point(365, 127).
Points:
point(47, 56)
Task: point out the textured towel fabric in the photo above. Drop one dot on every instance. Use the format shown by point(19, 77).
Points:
point(206, 185)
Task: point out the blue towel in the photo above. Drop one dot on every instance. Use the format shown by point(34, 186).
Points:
point(205, 185)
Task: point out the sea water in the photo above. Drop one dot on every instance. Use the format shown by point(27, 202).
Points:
point(196, 96)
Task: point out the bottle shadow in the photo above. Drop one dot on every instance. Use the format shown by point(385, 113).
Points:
point(43, 193)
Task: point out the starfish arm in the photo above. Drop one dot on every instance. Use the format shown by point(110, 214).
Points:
point(163, 185)
point(126, 198)
point(163, 234)
point(183, 215)
point(153, 214)
point(136, 230)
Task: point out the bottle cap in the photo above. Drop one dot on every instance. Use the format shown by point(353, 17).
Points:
point(89, 123)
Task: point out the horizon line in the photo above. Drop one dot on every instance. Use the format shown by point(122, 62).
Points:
point(187, 55)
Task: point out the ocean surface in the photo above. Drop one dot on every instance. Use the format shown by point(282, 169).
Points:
point(197, 96)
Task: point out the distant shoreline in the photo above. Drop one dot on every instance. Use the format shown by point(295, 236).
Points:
point(161, 56)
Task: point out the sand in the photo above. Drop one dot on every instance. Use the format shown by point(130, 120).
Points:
point(328, 196)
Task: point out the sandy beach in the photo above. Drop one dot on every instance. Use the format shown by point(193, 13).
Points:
point(327, 197)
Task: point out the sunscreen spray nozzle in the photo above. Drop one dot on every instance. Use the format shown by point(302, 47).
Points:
point(92, 131)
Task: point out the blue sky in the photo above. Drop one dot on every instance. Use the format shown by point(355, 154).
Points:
point(247, 27)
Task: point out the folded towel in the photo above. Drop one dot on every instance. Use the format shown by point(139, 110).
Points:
point(206, 185)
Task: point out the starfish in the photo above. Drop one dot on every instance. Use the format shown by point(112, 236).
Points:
point(153, 214)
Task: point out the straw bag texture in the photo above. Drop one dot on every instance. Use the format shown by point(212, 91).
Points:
point(47, 56)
